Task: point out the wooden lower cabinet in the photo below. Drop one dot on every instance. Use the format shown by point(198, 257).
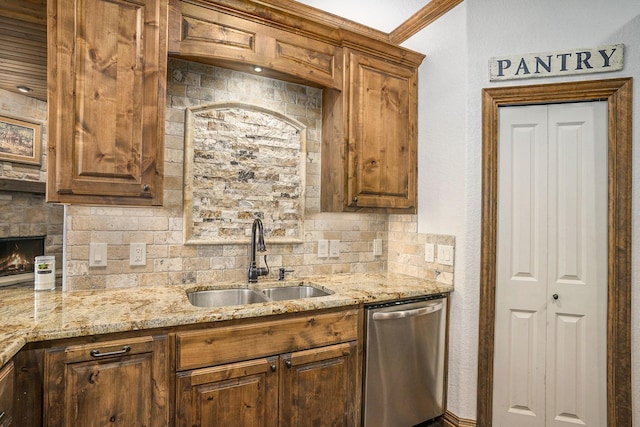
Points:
point(6, 395)
point(310, 387)
point(292, 370)
point(123, 382)
point(318, 387)
point(244, 393)
point(295, 370)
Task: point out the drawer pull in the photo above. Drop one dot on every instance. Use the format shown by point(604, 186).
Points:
point(96, 353)
point(2, 415)
point(273, 367)
point(287, 363)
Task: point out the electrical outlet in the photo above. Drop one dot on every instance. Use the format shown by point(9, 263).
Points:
point(429, 252)
point(334, 248)
point(97, 254)
point(377, 247)
point(445, 254)
point(323, 248)
point(138, 254)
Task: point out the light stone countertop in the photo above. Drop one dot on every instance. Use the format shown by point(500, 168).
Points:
point(29, 316)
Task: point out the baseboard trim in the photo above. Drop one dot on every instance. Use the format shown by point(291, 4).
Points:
point(452, 420)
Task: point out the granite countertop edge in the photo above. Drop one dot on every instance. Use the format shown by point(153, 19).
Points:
point(28, 316)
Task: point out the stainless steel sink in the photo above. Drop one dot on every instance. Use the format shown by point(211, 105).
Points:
point(224, 297)
point(293, 292)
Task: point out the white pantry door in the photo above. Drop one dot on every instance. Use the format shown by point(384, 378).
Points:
point(551, 280)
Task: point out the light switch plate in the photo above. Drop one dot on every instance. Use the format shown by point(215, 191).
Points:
point(445, 254)
point(97, 254)
point(323, 248)
point(137, 254)
point(334, 248)
point(377, 247)
point(429, 252)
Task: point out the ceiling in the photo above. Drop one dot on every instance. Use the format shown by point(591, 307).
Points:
point(23, 34)
point(383, 15)
point(23, 46)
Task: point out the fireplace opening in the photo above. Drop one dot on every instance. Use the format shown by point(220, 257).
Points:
point(17, 257)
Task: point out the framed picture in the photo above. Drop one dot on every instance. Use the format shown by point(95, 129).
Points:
point(19, 141)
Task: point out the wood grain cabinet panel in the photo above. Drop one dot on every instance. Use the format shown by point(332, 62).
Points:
point(6, 395)
point(211, 36)
point(382, 134)
point(311, 387)
point(318, 387)
point(107, 78)
point(305, 374)
point(370, 139)
point(122, 382)
point(215, 346)
point(243, 394)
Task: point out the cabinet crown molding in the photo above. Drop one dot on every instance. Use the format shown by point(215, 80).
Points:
point(313, 23)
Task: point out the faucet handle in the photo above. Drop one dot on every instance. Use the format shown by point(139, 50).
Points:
point(282, 271)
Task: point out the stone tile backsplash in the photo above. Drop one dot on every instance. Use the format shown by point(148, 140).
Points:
point(243, 163)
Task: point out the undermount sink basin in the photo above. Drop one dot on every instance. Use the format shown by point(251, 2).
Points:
point(242, 296)
point(293, 292)
point(224, 297)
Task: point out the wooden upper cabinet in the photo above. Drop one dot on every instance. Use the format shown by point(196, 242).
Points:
point(211, 36)
point(106, 78)
point(382, 149)
point(369, 151)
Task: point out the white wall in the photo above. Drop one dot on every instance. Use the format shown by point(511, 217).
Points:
point(458, 47)
point(442, 183)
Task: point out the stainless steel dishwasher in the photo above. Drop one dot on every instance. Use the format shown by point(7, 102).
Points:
point(404, 362)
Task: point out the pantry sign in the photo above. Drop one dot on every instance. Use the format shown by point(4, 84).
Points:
point(567, 62)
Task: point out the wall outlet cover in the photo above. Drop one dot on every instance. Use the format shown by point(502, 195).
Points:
point(323, 248)
point(377, 247)
point(97, 254)
point(334, 248)
point(429, 252)
point(445, 254)
point(137, 254)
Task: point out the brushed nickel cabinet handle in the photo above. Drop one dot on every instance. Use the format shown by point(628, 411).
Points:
point(96, 353)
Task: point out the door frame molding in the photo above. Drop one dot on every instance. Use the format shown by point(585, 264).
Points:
point(618, 93)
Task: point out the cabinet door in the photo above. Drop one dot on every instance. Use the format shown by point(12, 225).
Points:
point(381, 155)
point(107, 78)
point(241, 394)
point(318, 387)
point(28, 388)
point(112, 383)
point(6, 395)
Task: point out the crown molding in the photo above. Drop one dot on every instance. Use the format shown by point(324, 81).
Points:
point(425, 16)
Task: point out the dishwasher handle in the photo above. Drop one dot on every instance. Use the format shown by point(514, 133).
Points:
point(408, 313)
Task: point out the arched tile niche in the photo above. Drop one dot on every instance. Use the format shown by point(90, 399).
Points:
point(242, 162)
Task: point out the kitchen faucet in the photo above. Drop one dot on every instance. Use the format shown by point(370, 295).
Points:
point(255, 271)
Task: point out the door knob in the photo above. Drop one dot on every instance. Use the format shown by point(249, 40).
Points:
point(555, 296)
